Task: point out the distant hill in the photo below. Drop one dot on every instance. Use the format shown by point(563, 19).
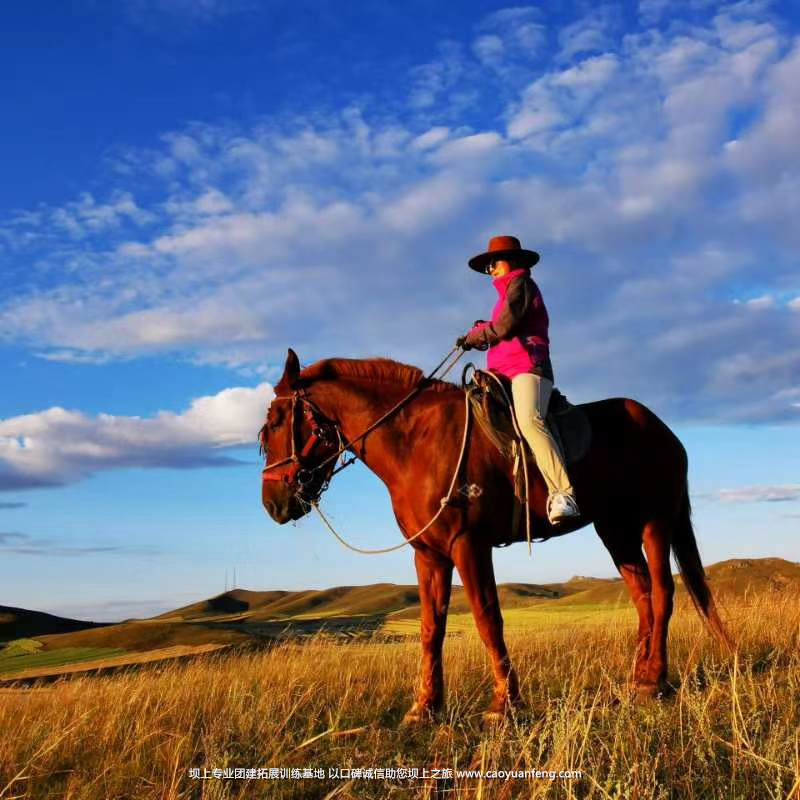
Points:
point(753, 576)
point(737, 576)
point(378, 598)
point(140, 635)
point(16, 623)
point(244, 618)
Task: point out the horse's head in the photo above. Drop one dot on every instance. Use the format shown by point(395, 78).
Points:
point(300, 444)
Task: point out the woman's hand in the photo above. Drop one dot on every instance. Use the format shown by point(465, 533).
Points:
point(474, 340)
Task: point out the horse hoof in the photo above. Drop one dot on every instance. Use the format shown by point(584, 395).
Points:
point(499, 713)
point(493, 719)
point(647, 690)
point(418, 715)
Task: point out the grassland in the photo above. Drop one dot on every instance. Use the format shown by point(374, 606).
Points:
point(240, 618)
point(730, 731)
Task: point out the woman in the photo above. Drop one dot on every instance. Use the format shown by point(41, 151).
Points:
point(519, 348)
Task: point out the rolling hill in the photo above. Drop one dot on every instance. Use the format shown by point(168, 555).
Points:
point(18, 623)
point(745, 576)
point(355, 601)
point(255, 618)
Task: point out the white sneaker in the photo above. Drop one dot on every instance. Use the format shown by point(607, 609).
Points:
point(561, 506)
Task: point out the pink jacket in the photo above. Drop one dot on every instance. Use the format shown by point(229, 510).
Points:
point(517, 336)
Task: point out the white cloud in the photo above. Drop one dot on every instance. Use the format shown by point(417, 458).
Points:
point(759, 494)
point(561, 98)
point(86, 215)
point(657, 177)
point(509, 37)
point(489, 48)
point(763, 303)
point(431, 138)
point(58, 446)
point(431, 81)
point(651, 11)
point(212, 203)
point(590, 34)
point(78, 219)
point(23, 544)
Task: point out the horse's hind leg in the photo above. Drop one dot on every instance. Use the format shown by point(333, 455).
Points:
point(474, 563)
point(435, 575)
point(623, 542)
point(656, 539)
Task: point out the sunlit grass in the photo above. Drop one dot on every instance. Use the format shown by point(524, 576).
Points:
point(731, 731)
point(541, 617)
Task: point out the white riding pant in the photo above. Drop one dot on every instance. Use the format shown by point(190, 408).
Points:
point(531, 395)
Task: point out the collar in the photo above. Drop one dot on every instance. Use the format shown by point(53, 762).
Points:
point(504, 280)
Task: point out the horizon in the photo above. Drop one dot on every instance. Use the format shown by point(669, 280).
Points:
point(456, 585)
point(191, 189)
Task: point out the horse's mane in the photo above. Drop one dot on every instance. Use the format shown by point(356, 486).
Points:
point(376, 370)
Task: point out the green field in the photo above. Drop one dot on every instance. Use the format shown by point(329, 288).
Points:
point(13, 660)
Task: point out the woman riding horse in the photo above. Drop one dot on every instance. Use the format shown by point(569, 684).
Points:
point(519, 348)
point(632, 484)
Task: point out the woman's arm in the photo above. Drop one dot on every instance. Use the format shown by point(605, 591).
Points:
point(521, 295)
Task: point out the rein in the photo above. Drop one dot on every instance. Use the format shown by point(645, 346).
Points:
point(443, 503)
point(395, 408)
point(320, 433)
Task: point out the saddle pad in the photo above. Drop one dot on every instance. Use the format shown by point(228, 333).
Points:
point(568, 423)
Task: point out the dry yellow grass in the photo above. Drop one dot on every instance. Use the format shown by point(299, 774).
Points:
point(730, 732)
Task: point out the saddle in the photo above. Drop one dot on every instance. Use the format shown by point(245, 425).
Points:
point(490, 397)
point(490, 401)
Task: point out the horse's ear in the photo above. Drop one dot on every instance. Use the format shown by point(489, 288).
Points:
point(291, 372)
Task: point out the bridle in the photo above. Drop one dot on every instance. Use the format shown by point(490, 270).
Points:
point(296, 470)
point(301, 476)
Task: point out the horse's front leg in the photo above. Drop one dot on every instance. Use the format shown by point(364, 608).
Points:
point(474, 563)
point(435, 576)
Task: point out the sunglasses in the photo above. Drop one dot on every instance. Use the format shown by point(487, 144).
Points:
point(491, 265)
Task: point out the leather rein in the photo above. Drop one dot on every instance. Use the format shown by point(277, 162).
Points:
point(325, 439)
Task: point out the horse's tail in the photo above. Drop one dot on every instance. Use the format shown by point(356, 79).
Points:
point(684, 546)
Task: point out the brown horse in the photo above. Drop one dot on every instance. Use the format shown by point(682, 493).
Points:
point(631, 484)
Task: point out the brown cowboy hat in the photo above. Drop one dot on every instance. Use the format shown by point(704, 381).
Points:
point(507, 247)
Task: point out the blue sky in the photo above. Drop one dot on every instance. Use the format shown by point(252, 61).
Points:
point(191, 187)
